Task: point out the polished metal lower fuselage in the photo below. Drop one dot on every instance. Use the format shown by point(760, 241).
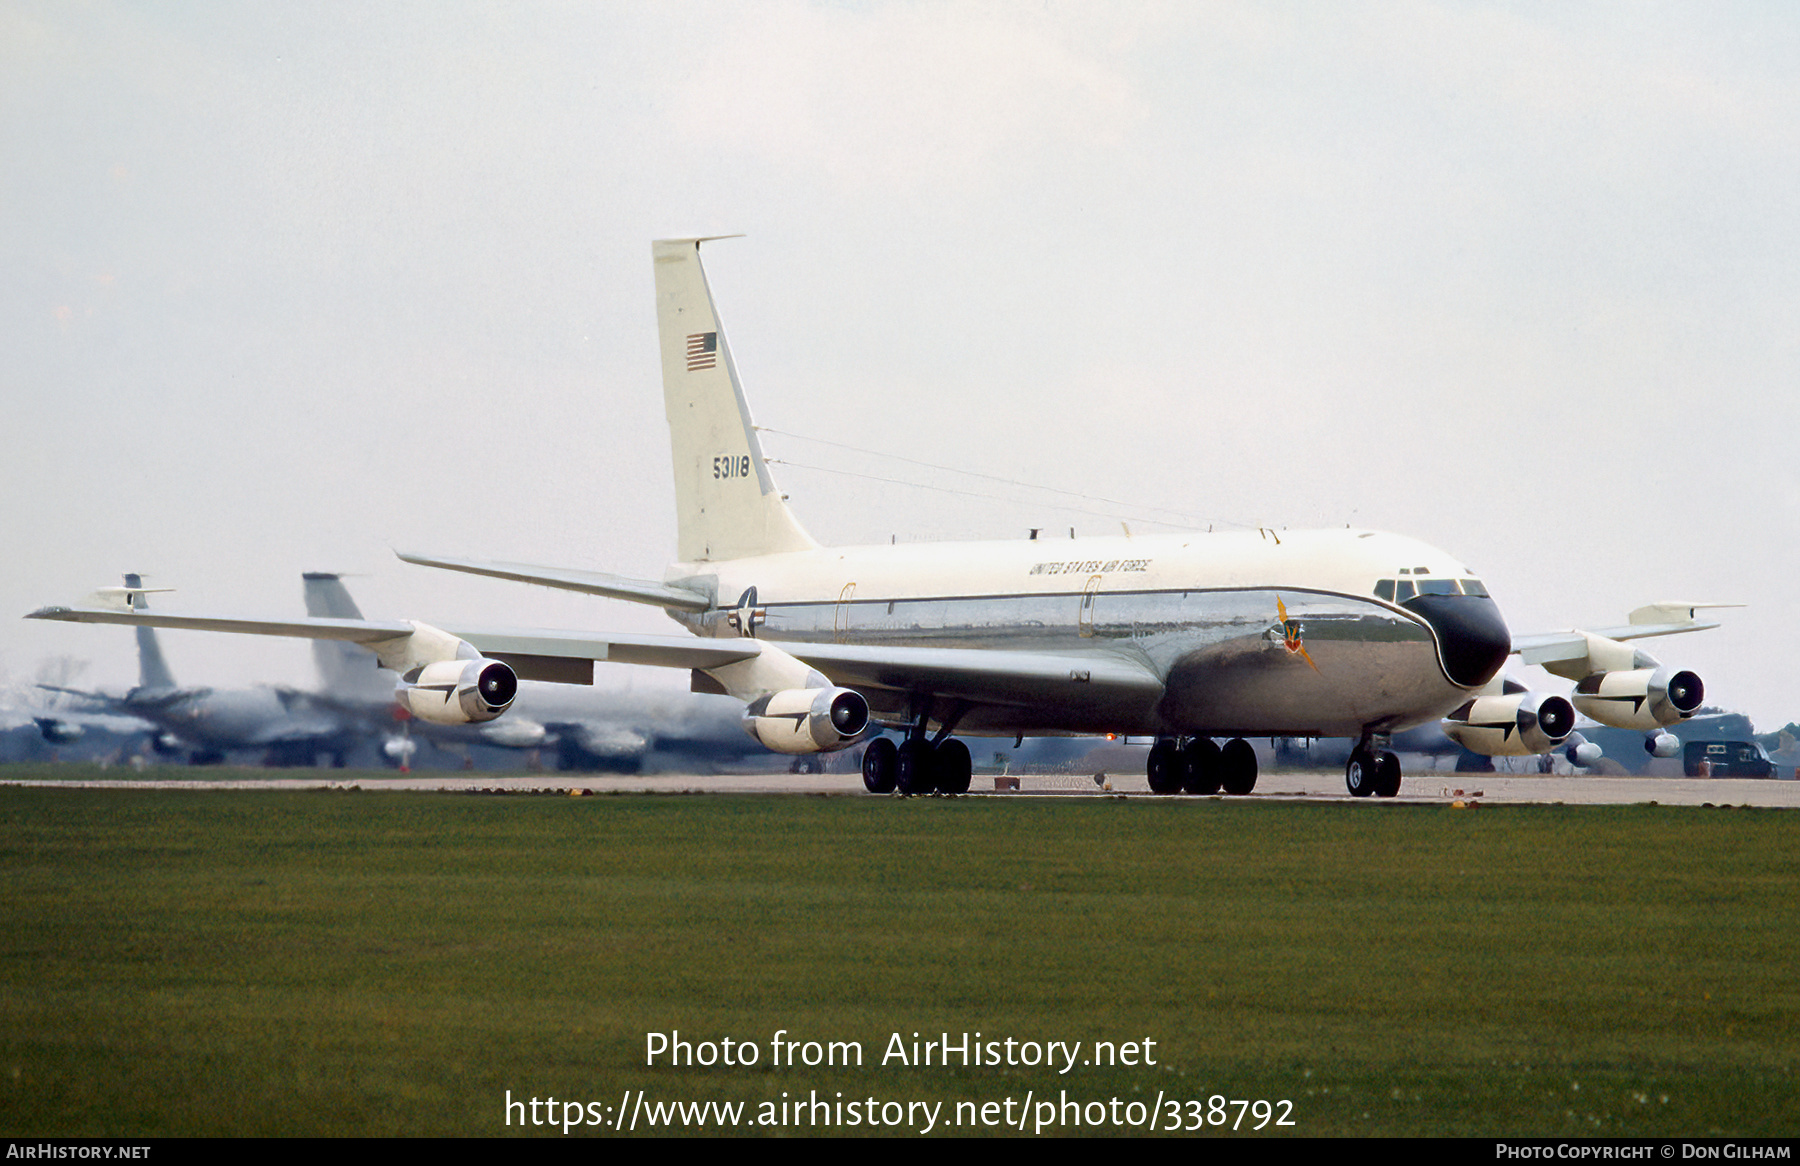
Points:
point(1234, 658)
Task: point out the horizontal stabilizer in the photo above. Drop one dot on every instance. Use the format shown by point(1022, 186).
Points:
point(125, 598)
point(591, 582)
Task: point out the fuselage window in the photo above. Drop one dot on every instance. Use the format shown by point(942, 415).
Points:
point(1438, 587)
point(1385, 590)
point(1474, 587)
point(1404, 591)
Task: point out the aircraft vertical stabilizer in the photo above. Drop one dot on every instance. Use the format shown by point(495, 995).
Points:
point(346, 670)
point(727, 506)
point(153, 670)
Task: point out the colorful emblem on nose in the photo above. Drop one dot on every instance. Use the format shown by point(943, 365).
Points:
point(1291, 630)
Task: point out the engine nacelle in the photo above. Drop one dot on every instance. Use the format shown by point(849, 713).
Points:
point(1517, 724)
point(807, 720)
point(58, 732)
point(1662, 744)
point(1582, 753)
point(1641, 698)
point(458, 692)
point(514, 733)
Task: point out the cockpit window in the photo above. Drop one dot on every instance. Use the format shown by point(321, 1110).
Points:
point(1399, 591)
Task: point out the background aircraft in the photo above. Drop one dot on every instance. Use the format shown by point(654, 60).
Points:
point(352, 714)
point(285, 726)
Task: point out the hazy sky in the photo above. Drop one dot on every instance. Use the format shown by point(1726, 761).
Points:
point(287, 286)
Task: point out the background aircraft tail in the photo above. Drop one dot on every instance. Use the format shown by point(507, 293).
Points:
point(726, 504)
point(153, 670)
point(345, 670)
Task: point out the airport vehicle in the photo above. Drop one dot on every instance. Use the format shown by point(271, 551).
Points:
point(1188, 638)
point(1726, 759)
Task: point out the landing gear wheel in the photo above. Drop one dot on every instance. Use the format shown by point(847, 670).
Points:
point(914, 772)
point(1237, 766)
point(1387, 775)
point(1164, 768)
point(954, 766)
point(1359, 774)
point(1203, 771)
point(879, 764)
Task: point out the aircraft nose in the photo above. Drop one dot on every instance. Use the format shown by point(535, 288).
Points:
point(1473, 641)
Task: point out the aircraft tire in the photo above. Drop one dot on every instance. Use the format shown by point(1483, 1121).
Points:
point(955, 768)
point(1359, 773)
point(1237, 767)
point(1201, 766)
point(914, 772)
point(1164, 767)
point(879, 765)
point(1387, 775)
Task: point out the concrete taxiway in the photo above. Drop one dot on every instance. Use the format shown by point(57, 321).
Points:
point(1428, 787)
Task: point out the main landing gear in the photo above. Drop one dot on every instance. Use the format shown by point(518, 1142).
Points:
point(1198, 766)
point(1372, 769)
point(918, 765)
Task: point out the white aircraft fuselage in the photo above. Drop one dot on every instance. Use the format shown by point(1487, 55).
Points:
point(1255, 633)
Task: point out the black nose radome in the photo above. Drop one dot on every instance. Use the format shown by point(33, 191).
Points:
point(1472, 638)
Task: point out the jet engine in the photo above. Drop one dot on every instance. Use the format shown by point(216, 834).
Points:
point(1641, 698)
point(1515, 724)
point(807, 720)
point(58, 732)
point(458, 692)
point(1661, 744)
point(1581, 752)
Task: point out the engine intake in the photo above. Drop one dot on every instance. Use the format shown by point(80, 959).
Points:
point(458, 692)
point(807, 720)
point(1517, 724)
point(1640, 698)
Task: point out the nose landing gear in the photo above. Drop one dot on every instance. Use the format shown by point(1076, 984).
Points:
point(1372, 769)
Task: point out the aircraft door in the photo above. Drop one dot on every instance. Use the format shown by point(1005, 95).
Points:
point(1084, 622)
point(840, 621)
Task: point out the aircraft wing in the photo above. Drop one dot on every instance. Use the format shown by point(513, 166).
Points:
point(564, 657)
point(93, 700)
point(1657, 619)
point(981, 676)
point(361, 631)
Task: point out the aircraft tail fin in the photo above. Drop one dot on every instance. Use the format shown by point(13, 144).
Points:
point(727, 506)
point(153, 670)
point(345, 669)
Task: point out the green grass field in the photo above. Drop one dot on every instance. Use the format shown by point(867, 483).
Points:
point(223, 962)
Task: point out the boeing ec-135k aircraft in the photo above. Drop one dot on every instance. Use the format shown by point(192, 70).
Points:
point(1189, 638)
